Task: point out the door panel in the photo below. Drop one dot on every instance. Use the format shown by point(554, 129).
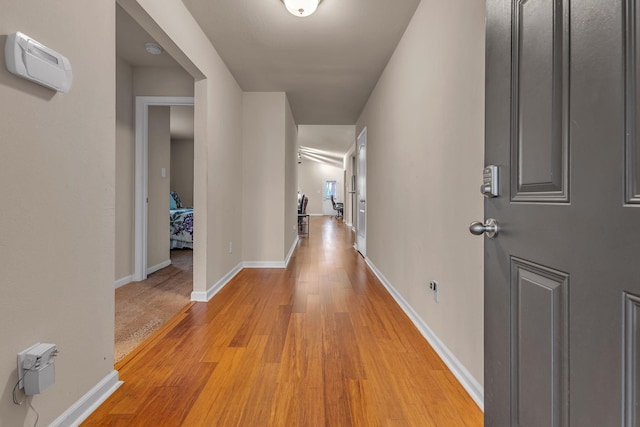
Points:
point(540, 141)
point(632, 359)
point(539, 344)
point(559, 107)
point(632, 154)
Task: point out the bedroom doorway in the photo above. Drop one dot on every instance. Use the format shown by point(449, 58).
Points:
point(144, 105)
point(143, 304)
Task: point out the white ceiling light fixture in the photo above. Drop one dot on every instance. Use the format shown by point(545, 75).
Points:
point(153, 48)
point(301, 8)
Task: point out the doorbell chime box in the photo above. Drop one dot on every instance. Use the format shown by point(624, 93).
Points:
point(33, 61)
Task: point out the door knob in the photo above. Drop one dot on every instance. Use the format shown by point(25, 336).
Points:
point(490, 227)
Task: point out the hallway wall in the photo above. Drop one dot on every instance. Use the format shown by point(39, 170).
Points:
point(57, 168)
point(158, 188)
point(125, 170)
point(425, 127)
point(182, 169)
point(268, 179)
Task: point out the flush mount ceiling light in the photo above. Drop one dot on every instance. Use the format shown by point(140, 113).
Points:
point(301, 8)
point(153, 48)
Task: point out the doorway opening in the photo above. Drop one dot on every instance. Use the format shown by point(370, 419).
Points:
point(153, 284)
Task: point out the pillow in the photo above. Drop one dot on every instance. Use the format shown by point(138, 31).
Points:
point(172, 202)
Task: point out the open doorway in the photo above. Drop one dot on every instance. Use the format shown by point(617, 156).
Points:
point(145, 179)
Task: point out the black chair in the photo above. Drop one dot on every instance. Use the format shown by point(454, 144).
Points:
point(303, 216)
point(338, 207)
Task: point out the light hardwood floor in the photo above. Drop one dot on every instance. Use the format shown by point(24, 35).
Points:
point(321, 343)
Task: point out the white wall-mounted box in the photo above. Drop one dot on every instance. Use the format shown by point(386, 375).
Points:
point(33, 61)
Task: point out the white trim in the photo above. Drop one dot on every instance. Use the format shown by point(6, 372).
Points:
point(264, 264)
point(317, 214)
point(200, 296)
point(470, 384)
point(205, 296)
point(124, 281)
point(273, 264)
point(291, 250)
point(160, 266)
point(359, 195)
point(80, 411)
point(348, 224)
point(141, 166)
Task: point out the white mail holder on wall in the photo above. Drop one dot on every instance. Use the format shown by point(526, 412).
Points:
point(31, 60)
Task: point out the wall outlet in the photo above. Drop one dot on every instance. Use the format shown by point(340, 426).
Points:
point(433, 285)
point(230, 247)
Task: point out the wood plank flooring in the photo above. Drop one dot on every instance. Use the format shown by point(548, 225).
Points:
point(320, 343)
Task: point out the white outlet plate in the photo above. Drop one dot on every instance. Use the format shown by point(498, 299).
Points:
point(434, 287)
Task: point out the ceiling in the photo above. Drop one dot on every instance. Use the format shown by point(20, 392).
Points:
point(328, 63)
point(130, 41)
point(325, 143)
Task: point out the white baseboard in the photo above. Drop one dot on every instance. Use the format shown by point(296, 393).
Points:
point(273, 264)
point(160, 266)
point(124, 281)
point(80, 411)
point(348, 224)
point(200, 296)
point(473, 387)
point(291, 250)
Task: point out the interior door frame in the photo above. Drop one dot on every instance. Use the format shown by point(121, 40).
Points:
point(141, 174)
point(362, 250)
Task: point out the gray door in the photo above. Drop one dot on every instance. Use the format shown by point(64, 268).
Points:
point(562, 276)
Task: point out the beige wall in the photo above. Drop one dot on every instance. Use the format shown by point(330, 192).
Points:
point(310, 176)
point(290, 179)
point(151, 81)
point(425, 155)
point(263, 180)
point(182, 169)
point(217, 143)
point(158, 187)
point(57, 166)
point(125, 165)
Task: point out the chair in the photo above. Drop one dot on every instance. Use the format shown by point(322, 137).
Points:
point(338, 207)
point(303, 216)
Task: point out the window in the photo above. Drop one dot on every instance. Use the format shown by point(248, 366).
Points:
point(330, 188)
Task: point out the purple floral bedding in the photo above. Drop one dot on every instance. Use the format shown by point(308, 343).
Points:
point(181, 228)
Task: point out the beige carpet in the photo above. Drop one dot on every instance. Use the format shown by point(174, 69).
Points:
point(143, 307)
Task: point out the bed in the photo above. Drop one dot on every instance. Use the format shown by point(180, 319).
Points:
point(180, 224)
